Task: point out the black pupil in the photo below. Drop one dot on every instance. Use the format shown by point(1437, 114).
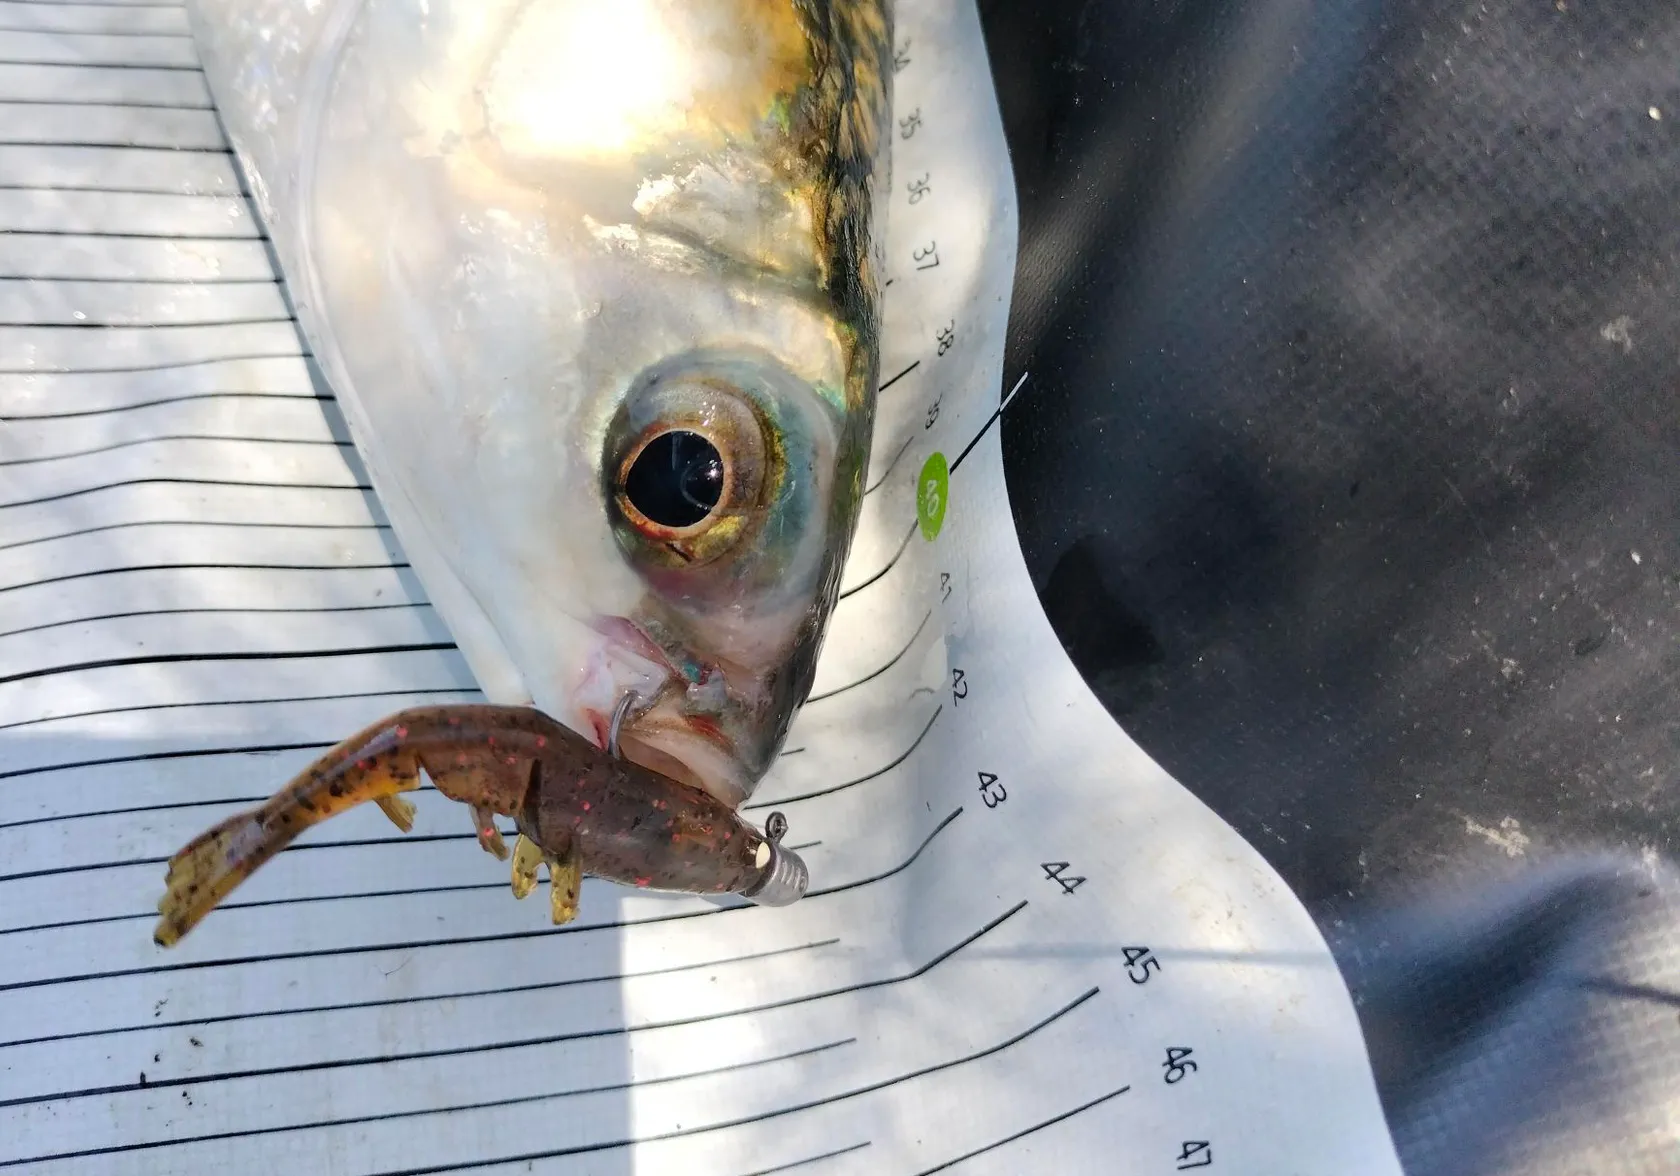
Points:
point(676, 480)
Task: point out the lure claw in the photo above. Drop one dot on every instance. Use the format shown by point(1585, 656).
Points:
point(527, 856)
point(400, 811)
point(565, 879)
point(489, 837)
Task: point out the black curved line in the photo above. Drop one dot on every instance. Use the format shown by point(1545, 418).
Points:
point(196, 523)
point(762, 1116)
point(92, 279)
point(100, 65)
point(126, 710)
point(391, 1115)
point(150, 756)
point(23, 461)
point(997, 414)
point(980, 1151)
point(850, 783)
point(242, 357)
point(900, 376)
point(87, 412)
point(107, 325)
point(891, 466)
point(169, 612)
point(519, 1043)
point(870, 677)
point(169, 659)
point(127, 482)
point(136, 103)
point(307, 846)
point(827, 1155)
point(202, 568)
point(897, 555)
point(255, 235)
point(103, 32)
point(394, 1001)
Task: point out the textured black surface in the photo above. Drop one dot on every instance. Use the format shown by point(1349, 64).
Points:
point(1349, 469)
point(1349, 474)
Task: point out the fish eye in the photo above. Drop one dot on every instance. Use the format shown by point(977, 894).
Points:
point(677, 479)
point(689, 466)
point(716, 477)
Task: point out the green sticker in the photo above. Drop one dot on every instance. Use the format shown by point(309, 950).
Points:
point(932, 492)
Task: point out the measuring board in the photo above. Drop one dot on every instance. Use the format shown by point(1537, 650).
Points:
point(1026, 948)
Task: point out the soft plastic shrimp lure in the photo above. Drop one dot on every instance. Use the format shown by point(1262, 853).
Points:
point(579, 811)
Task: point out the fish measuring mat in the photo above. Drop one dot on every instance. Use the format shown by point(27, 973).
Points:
point(1026, 948)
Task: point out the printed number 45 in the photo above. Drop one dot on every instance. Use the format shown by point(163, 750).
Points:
point(1140, 962)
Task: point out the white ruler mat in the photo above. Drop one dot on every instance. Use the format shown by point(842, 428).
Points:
point(1026, 948)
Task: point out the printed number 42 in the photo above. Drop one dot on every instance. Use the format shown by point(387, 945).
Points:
point(1196, 1153)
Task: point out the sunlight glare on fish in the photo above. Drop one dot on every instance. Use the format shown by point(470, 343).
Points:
point(556, 92)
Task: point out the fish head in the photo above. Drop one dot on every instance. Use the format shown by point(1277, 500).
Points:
point(691, 218)
point(729, 486)
point(594, 283)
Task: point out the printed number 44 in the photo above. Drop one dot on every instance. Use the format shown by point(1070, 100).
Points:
point(1057, 873)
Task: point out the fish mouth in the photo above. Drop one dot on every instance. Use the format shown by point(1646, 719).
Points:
point(683, 719)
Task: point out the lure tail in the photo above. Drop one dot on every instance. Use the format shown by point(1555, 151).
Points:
point(368, 766)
